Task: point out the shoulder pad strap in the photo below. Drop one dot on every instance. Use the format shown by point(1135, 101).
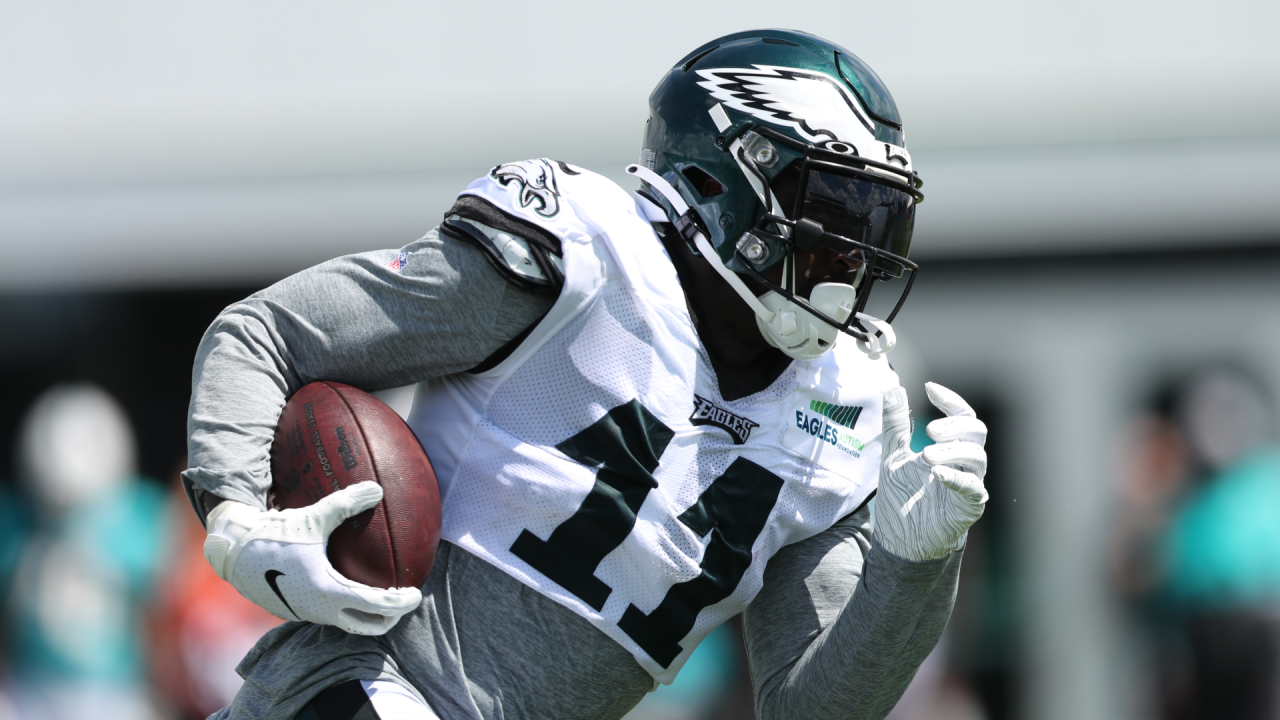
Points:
point(525, 264)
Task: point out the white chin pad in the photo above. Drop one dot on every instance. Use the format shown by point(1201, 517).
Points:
point(795, 331)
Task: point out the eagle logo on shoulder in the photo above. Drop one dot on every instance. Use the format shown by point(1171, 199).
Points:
point(818, 108)
point(534, 182)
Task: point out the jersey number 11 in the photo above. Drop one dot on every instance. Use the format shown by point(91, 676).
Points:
point(626, 444)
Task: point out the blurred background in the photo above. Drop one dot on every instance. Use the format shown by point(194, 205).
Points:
point(1100, 251)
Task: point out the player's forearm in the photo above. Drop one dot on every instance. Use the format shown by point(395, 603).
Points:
point(857, 667)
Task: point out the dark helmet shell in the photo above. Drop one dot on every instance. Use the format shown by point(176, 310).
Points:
point(683, 144)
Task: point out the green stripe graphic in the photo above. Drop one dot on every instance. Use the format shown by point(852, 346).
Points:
point(846, 415)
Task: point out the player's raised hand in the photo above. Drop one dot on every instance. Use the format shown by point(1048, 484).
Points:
point(927, 501)
point(277, 559)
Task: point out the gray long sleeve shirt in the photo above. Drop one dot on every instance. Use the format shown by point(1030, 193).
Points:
point(837, 632)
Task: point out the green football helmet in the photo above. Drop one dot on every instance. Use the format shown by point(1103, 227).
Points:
point(772, 141)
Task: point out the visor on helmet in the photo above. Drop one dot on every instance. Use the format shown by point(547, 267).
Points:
point(853, 207)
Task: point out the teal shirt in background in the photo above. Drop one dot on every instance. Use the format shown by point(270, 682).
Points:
point(1223, 548)
point(77, 586)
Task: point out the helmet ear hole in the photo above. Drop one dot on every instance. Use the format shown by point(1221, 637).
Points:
point(702, 181)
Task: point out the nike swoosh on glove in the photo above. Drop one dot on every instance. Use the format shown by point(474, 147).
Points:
point(927, 501)
point(277, 559)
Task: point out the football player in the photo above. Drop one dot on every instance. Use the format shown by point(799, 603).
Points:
point(648, 413)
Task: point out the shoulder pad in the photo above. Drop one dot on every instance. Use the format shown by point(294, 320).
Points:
point(480, 210)
point(526, 264)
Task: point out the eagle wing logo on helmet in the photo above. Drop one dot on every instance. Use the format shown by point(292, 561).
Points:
point(821, 110)
point(537, 184)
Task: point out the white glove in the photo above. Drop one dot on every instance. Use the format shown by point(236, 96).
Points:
point(277, 560)
point(928, 500)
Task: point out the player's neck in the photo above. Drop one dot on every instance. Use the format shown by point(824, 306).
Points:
point(743, 361)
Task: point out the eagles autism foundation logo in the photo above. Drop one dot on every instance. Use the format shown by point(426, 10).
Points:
point(706, 412)
point(832, 424)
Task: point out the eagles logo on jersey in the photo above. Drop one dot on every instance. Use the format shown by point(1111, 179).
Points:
point(535, 182)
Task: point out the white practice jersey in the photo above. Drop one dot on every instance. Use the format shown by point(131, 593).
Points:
point(599, 465)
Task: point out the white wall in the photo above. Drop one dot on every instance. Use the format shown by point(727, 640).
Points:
point(135, 134)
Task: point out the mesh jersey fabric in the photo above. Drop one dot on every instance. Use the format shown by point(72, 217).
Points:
point(524, 460)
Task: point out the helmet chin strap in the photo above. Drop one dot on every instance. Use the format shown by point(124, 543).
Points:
point(700, 241)
point(786, 326)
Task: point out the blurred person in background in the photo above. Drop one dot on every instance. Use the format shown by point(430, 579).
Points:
point(86, 562)
point(1200, 547)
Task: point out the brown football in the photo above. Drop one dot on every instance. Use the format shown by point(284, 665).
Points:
point(332, 435)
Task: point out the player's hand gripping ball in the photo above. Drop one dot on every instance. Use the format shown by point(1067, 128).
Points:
point(355, 516)
point(928, 500)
